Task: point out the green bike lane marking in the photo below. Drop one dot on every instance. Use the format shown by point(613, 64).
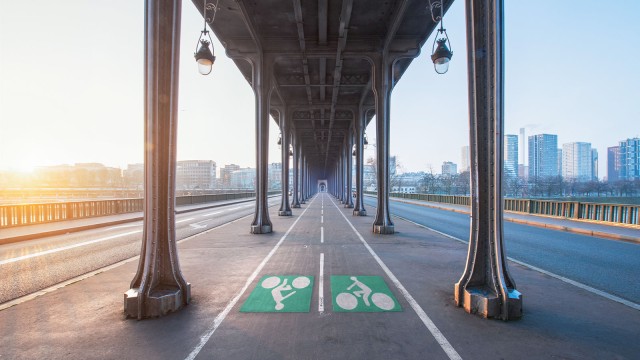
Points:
point(280, 293)
point(362, 294)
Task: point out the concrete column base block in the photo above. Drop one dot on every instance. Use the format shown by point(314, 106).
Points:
point(285, 213)
point(261, 229)
point(359, 212)
point(485, 303)
point(383, 229)
point(296, 206)
point(160, 301)
point(348, 206)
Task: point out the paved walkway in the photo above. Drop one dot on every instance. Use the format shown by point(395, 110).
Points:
point(324, 244)
point(614, 231)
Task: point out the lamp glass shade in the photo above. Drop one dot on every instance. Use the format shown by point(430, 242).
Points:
point(441, 65)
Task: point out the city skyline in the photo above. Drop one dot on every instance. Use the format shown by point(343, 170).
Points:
point(49, 112)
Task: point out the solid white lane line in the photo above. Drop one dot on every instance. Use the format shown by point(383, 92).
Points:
point(46, 252)
point(183, 220)
point(433, 329)
point(321, 285)
point(321, 234)
point(220, 318)
point(211, 214)
point(580, 285)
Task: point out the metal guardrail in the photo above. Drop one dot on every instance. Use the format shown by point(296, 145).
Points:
point(607, 213)
point(30, 214)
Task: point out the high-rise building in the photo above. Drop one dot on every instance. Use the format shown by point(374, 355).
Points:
point(196, 174)
point(449, 168)
point(511, 155)
point(594, 164)
point(543, 156)
point(522, 149)
point(559, 161)
point(225, 175)
point(577, 161)
point(464, 159)
point(630, 159)
point(613, 163)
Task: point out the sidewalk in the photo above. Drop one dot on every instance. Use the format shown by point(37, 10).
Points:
point(614, 231)
point(29, 232)
point(85, 320)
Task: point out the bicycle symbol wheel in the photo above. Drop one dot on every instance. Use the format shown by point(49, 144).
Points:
point(349, 301)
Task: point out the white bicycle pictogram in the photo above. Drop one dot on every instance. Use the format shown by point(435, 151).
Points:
point(273, 283)
point(349, 300)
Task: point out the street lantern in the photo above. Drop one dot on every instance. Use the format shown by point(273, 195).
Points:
point(441, 53)
point(204, 55)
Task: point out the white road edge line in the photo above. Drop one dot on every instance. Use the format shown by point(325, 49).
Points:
point(580, 285)
point(440, 338)
point(210, 214)
point(57, 286)
point(68, 247)
point(321, 285)
point(183, 220)
point(220, 318)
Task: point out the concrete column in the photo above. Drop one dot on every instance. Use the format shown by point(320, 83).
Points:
point(382, 86)
point(358, 209)
point(262, 88)
point(296, 174)
point(158, 286)
point(349, 167)
point(285, 209)
point(486, 288)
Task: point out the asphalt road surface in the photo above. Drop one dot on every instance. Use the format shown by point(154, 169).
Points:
point(607, 265)
point(29, 266)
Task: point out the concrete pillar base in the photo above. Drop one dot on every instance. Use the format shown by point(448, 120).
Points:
point(359, 212)
point(348, 206)
point(485, 303)
point(296, 206)
point(160, 302)
point(285, 213)
point(261, 229)
point(383, 229)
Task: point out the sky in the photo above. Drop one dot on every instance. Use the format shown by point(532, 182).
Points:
point(71, 85)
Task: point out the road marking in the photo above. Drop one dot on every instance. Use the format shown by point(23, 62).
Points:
point(280, 293)
point(433, 329)
point(183, 220)
point(362, 294)
point(220, 318)
point(211, 214)
point(235, 208)
point(68, 247)
point(321, 219)
point(198, 225)
point(321, 211)
point(321, 234)
point(321, 285)
point(542, 271)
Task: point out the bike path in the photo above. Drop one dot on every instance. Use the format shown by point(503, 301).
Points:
point(84, 320)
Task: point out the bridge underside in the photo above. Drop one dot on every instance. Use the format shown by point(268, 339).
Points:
point(323, 70)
